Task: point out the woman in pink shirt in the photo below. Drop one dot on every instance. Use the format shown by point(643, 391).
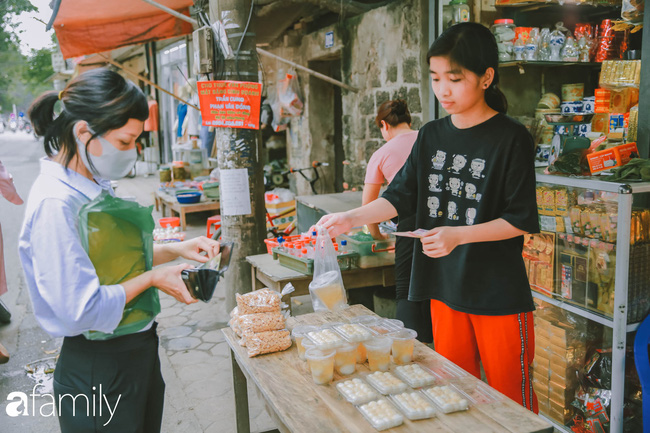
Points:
point(394, 120)
point(8, 191)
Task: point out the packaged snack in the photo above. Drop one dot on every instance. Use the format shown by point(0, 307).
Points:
point(362, 354)
point(414, 375)
point(381, 414)
point(447, 399)
point(386, 383)
point(254, 323)
point(268, 342)
point(356, 391)
point(414, 405)
point(325, 338)
point(258, 301)
point(386, 326)
point(321, 365)
point(353, 332)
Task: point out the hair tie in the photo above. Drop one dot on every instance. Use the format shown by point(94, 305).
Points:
point(60, 94)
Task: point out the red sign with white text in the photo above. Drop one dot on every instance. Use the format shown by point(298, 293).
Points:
point(230, 104)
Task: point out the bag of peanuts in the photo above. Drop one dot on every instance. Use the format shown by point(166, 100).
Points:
point(268, 342)
point(259, 301)
point(261, 322)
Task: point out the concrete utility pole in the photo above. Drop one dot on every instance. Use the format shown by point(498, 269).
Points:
point(241, 148)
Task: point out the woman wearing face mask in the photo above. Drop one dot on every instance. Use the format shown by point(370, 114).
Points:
point(90, 142)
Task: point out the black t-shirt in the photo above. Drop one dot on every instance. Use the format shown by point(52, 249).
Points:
point(457, 177)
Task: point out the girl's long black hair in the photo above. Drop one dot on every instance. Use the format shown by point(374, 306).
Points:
point(101, 97)
point(473, 47)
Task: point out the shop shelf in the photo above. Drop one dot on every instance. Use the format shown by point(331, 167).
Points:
point(547, 64)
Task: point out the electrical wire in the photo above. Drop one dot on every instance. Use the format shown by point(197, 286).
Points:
point(241, 41)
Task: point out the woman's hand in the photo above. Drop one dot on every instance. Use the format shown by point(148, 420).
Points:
point(168, 279)
point(441, 241)
point(336, 223)
point(193, 248)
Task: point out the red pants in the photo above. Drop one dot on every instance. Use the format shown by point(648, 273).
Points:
point(504, 344)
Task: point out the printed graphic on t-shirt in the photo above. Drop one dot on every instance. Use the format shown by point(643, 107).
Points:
point(470, 192)
point(439, 160)
point(459, 162)
point(434, 207)
point(455, 185)
point(452, 211)
point(470, 216)
point(476, 168)
point(434, 182)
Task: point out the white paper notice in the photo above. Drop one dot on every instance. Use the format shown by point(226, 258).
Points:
point(235, 194)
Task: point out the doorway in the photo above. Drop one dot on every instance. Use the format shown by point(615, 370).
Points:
point(326, 124)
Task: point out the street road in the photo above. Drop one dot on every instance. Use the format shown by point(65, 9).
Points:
point(25, 340)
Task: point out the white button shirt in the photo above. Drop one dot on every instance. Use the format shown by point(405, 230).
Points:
point(63, 284)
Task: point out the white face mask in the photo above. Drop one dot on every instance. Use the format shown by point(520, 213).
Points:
point(112, 164)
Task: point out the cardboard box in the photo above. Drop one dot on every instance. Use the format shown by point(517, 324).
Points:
point(565, 373)
point(542, 369)
point(607, 159)
point(563, 396)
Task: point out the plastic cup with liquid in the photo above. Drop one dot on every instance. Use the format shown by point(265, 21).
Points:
point(299, 334)
point(378, 350)
point(362, 355)
point(345, 360)
point(403, 343)
point(321, 365)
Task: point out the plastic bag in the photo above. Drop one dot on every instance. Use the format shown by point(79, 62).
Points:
point(259, 301)
point(326, 289)
point(268, 342)
point(285, 102)
point(254, 323)
point(632, 11)
point(118, 237)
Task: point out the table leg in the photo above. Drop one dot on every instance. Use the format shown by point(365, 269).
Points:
point(182, 215)
point(241, 397)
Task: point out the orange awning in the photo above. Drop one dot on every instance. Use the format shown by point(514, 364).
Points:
point(91, 26)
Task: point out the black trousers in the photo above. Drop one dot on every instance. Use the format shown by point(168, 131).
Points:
point(111, 386)
point(416, 315)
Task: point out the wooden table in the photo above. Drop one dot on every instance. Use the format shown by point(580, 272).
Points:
point(164, 200)
point(267, 272)
point(296, 404)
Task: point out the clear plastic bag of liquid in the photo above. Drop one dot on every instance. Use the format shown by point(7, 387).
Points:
point(326, 289)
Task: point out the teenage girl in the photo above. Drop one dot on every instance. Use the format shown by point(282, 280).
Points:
point(470, 182)
point(90, 141)
point(394, 121)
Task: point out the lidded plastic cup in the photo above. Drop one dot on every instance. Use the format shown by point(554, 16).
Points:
point(299, 333)
point(345, 360)
point(362, 354)
point(321, 365)
point(378, 350)
point(403, 342)
point(308, 344)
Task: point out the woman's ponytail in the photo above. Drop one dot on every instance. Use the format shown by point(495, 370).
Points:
point(495, 99)
point(41, 112)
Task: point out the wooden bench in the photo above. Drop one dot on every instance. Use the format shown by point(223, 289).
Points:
point(164, 201)
point(298, 405)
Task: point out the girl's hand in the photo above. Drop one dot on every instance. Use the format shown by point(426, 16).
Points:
point(168, 280)
point(193, 248)
point(441, 241)
point(336, 223)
